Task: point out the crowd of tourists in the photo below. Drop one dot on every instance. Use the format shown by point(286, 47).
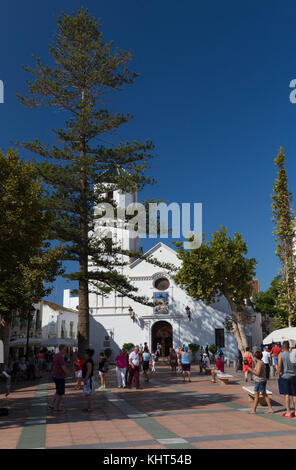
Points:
point(90, 375)
point(129, 365)
point(30, 367)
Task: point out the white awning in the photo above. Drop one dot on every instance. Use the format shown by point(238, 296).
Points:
point(283, 334)
point(23, 341)
point(57, 341)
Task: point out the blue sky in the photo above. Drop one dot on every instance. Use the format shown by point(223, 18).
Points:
point(213, 96)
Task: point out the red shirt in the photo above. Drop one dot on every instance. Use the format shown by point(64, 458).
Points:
point(79, 364)
point(58, 362)
point(220, 365)
point(275, 351)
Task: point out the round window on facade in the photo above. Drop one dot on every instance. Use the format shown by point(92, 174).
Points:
point(162, 283)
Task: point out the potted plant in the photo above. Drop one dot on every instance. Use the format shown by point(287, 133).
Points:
point(213, 349)
point(193, 348)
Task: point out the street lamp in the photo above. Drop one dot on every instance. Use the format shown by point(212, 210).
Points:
point(30, 317)
point(188, 311)
point(132, 313)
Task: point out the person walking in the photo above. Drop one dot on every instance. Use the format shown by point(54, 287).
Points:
point(205, 363)
point(78, 364)
point(185, 361)
point(219, 352)
point(247, 363)
point(173, 360)
point(153, 359)
point(121, 369)
point(59, 372)
point(88, 378)
point(146, 357)
point(180, 350)
point(286, 375)
point(275, 351)
point(260, 381)
point(126, 365)
point(103, 369)
point(267, 361)
point(134, 368)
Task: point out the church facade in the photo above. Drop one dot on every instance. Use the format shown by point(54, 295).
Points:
point(173, 320)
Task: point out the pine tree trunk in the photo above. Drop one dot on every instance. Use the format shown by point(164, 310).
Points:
point(83, 317)
point(83, 312)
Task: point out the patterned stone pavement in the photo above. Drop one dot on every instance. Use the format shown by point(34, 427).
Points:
point(164, 414)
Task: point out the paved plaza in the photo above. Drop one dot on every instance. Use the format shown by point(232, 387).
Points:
point(165, 414)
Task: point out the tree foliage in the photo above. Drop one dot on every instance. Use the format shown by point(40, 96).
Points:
point(219, 267)
point(83, 166)
point(283, 217)
point(269, 303)
point(27, 260)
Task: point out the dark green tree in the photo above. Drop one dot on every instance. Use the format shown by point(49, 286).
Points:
point(219, 267)
point(81, 168)
point(27, 260)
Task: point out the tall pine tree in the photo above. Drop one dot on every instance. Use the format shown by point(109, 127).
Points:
point(284, 236)
point(80, 168)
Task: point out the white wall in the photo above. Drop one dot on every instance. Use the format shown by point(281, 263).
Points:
point(52, 322)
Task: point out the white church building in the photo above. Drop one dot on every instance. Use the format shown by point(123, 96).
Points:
point(175, 318)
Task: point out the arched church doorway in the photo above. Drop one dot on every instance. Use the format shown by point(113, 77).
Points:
point(162, 332)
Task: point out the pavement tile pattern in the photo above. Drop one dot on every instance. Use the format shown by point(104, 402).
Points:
point(164, 414)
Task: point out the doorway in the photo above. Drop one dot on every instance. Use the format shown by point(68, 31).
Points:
point(162, 332)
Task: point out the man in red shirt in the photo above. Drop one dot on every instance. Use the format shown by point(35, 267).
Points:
point(275, 356)
point(219, 367)
point(59, 372)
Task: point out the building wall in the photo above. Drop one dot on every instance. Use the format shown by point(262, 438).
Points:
point(52, 322)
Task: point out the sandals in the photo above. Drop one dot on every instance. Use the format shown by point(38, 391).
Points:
point(285, 416)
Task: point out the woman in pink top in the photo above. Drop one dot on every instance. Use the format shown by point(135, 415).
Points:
point(121, 369)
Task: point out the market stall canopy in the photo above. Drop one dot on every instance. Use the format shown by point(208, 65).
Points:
point(23, 341)
point(277, 336)
point(57, 341)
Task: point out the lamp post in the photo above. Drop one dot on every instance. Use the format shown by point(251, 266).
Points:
point(30, 317)
point(188, 311)
point(132, 313)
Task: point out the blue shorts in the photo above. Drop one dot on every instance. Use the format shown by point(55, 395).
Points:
point(260, 387)
point(145, 366)
point(275, 360)
point(60, 386)
point(287, 386)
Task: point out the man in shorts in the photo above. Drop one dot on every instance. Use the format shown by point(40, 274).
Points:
point(286, 374)
point(59, 372)
point(275, 351)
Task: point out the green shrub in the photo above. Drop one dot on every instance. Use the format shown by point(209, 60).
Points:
point(213, 348)
point(128, 346)
point(194, 347)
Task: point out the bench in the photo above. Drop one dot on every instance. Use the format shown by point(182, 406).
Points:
point(223, 378)
point(251, 394)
